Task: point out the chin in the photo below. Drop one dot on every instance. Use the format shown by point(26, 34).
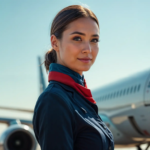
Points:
point(85, 68)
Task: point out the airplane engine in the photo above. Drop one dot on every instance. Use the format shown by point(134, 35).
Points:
point(18, 137)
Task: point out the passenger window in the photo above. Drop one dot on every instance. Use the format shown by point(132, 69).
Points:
point(149, 84)
point(134, 89)
point(110, 96)
point(114, 94)
point(138, 89)
point(131, 89)
point(127, 91)
point(117, 93)
point(124, 91)
point(103, 97)
point(120, 92)
point(106, 97)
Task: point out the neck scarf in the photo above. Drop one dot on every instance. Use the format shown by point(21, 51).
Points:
point(66, 79)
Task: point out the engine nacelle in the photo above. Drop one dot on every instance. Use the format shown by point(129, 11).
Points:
point(18, 137)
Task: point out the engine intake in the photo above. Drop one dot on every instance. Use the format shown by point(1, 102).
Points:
point(18, 137)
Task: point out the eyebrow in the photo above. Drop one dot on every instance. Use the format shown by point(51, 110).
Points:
point(76, 32)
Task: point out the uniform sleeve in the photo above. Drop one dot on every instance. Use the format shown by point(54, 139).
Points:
point(53, 122)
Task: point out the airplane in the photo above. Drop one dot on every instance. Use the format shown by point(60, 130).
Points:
point(124, 106)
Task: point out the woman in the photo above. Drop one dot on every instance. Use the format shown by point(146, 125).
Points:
point(66, 116)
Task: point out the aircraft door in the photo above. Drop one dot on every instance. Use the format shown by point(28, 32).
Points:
point(147, 93)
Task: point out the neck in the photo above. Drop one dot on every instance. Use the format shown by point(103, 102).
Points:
point(63, 69)
point(79, 72)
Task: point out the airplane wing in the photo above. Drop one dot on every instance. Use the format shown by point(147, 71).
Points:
point(8, 121)
point(17, 109)
point(27, 122)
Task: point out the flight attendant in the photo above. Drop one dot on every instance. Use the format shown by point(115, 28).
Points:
point(66, 115)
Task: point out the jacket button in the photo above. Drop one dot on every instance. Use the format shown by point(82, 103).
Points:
point(84, 110)
point(104, 126)
point(109, 147)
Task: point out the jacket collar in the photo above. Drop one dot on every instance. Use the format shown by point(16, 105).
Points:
point(62, 69)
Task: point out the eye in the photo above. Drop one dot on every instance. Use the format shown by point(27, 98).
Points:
point(77, 38)
point(95, 40)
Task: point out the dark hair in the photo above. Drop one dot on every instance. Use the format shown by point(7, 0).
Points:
point(59, 24)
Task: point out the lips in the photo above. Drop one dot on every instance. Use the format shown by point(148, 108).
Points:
point(86, 60)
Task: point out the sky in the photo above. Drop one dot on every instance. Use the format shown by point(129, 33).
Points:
point(124, 46)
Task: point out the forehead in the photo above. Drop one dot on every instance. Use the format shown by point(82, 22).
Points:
point(85, 25)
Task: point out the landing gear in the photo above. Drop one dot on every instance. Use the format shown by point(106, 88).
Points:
point(139, 148)
point(148, 145)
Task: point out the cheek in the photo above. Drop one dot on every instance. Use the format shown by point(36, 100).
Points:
point(95, 51)
point(71, 51)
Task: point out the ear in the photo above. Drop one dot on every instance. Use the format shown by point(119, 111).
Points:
point(54, 43)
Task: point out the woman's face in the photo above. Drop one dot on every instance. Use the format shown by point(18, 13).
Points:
point(78, 46)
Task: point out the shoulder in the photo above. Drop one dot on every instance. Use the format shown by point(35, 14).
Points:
point(53, 110)
point(53, 96)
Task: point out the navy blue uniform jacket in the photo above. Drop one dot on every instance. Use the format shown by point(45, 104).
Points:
point(64, 120)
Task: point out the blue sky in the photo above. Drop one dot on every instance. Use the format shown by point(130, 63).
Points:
point(25, 27)
point(24, 35)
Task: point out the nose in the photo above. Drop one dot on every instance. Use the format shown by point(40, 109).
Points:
point(87, 48)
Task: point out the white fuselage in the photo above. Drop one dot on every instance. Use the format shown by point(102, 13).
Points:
point(125, 107)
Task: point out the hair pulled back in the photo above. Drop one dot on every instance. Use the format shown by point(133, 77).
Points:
point(59, 24)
